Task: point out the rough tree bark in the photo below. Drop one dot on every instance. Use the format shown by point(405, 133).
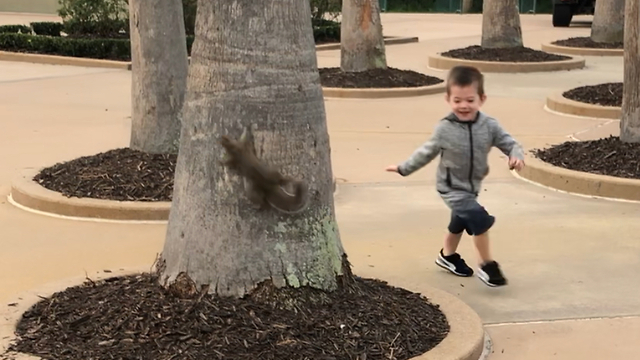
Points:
point(159, 74)
point(608, 21)
point(501, 24)
point(630, 121)
point(361, 40)
point(253, 65)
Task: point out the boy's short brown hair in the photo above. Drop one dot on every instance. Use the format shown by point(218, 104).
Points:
point(463, 75)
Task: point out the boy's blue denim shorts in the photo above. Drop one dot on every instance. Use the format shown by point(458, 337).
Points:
point(467, 214)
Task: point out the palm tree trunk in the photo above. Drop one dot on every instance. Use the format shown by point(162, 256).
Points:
point(608, 21)
point(501, 24)
point(630, 122)
point(253, 66)
point(159, 74)
point(361, 40)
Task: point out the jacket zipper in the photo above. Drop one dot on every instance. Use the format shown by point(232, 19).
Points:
point(471, 159)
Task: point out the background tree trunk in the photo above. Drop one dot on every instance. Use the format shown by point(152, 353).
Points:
point(630, 122)
point(467, 5)
point(361, 39)
point(158, 74)
point(501, 24)
point(608, 21)
point(253, 65)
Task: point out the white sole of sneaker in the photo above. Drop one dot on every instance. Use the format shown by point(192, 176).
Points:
point(484, 277)
point(449, 267)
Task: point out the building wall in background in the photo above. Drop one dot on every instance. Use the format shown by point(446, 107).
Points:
point(30, 6)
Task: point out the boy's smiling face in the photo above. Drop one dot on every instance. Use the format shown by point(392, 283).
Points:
point(465, 101)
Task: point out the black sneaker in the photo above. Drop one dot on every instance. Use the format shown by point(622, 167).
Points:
point(491, 275)
point(454, 264)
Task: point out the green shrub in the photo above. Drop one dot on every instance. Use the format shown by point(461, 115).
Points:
point(411, 5)
point(542, 6)
point(109, 18)
point(190, 39)
point(326, 31)
point(107, 49)
point(47, 28)
point(96, 18)
point(323, 9)
point(111, 49)
point(15, 29)
point(190, 8)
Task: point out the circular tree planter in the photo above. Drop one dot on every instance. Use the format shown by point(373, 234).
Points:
point(103, 310)
point(603, 168)
point(120, 184)
point(30, 196)
point(378, 83)
point(517, 60)
point(583, 46)
point(598, 101)
point(117, 185)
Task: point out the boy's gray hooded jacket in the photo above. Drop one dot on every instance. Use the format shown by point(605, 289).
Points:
point(463, 147)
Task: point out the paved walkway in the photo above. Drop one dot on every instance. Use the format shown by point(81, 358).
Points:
point(569, 259)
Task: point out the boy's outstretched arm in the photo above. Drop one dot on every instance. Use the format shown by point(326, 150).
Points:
point(507, 144)
point(421, 156)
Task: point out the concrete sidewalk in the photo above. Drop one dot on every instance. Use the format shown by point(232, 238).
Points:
point(567, 257)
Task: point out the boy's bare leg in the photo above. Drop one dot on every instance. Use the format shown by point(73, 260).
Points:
point(482, 247)
point(451, 242)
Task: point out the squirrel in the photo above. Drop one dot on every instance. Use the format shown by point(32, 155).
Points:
point(265, 185)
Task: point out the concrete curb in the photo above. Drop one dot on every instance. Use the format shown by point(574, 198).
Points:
point(577, 182)
point(465, 341)
point(126, 65)
point(375, 93)
point(466, 338)
point(557, 102)
point(63, 60)
point(29, 194)
point(567, 50)
point(445, 63)
point(391, 40)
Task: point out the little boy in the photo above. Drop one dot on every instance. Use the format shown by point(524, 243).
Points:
point(463, 140)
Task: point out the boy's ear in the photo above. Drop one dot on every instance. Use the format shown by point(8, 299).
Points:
point(446, 97)
point(483, 98)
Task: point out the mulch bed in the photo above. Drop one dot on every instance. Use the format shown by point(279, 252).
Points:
point(121, 174)
point(517, 54)
point(133, 317)
point(607, 94)
point(375, 78)
point(607, 156)
point(586, 42)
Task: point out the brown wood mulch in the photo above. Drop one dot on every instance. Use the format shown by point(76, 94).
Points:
point(132, 317)
point(375, 78)
point(606, 94)
point(514, 54)
point(586, 42)
point(606, 156)
point(120, 174)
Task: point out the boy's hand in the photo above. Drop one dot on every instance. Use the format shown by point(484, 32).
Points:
point(392, 168)
point(515, 163)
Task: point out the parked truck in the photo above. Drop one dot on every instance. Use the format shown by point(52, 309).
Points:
point(563, 10)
